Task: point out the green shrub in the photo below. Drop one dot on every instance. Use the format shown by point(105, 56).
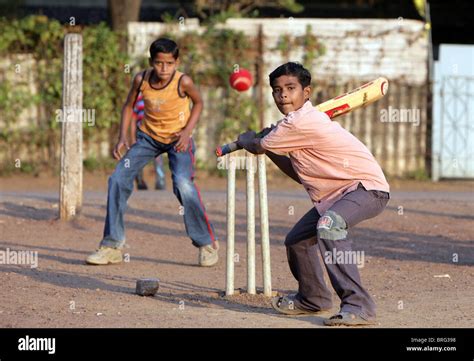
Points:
point(105, 83)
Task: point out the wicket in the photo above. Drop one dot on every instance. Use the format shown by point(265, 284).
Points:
point(263, 202)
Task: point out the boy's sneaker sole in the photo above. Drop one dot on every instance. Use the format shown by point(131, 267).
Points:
point(286, 306)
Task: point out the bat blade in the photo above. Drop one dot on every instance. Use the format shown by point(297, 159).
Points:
point(342, 104)
point(359, 97)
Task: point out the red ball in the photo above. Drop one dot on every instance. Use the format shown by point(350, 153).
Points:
point(241, 80)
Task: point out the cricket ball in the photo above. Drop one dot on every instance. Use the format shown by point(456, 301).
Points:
point(241, 80)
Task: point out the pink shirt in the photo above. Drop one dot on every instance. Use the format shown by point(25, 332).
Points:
point(329, 160)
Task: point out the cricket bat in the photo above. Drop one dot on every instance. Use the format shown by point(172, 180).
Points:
point(342, 104)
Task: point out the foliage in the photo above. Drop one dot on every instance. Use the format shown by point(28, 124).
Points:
point(92, 164)
point(313, 48)
point(419, 175)
point(105, 80)
point(219, 11)
point(284, 45)
point(208, 57)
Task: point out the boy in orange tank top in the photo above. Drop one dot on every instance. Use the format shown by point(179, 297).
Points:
point(166, 128)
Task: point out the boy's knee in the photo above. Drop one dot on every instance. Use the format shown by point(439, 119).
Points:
point(114, 179)
point(117, 179)
point(290, 239)
point(295, 239)
point(183, 185)
point(332, 226)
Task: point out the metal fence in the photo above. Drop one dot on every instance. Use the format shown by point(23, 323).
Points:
point(453, 132)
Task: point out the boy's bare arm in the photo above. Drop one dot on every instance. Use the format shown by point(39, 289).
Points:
point(284, 163)
point(187, 87)
point(127, 114)
point(133, 130)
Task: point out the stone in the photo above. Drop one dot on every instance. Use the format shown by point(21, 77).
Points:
point(147, 286)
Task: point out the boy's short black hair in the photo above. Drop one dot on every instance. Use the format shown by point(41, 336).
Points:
point(164, 45)
point(293, 69)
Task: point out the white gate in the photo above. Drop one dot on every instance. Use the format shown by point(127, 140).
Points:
point(453, 116)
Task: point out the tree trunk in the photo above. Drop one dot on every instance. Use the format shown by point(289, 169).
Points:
point(121, 12)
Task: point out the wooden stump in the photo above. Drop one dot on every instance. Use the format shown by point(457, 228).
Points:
point(70, 198)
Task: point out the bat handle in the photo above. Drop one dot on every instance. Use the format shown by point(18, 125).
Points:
point(227, 148)
point(232, 147)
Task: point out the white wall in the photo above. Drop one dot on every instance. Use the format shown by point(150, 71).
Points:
point(356, 49)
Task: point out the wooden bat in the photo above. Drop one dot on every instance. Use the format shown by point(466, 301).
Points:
point(342, 104)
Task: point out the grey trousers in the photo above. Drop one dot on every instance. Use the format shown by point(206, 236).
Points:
point(302, 245)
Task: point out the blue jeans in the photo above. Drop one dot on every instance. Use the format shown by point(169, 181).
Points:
point(196, 222)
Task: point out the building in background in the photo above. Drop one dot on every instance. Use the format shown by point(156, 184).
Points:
point(400, 48)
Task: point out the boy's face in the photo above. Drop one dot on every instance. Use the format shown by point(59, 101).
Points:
point(289, 94)
point(164, 65)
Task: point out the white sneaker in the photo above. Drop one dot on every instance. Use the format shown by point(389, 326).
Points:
point(105, 255)
point(208, 255)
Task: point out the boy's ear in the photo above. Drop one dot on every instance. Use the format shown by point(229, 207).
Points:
point(150, 61)
point(307, 92)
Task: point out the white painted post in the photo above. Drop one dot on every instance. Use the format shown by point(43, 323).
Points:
point(70, 197)
point(250, 224)
point(262, 190)
point(230, 225)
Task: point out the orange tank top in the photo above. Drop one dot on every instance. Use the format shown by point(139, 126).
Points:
point(166, 110)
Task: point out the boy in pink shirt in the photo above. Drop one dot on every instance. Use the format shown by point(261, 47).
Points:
point(346, 186)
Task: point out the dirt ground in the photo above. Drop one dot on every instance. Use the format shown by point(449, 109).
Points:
point(419, 257)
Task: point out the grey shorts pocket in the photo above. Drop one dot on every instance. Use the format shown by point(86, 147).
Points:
point(380, 194)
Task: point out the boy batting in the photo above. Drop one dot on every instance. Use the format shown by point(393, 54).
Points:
point(345, 184)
